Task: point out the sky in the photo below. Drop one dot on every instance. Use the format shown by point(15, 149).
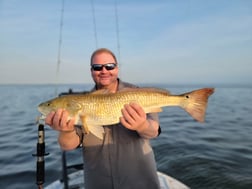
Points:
point(155, 41)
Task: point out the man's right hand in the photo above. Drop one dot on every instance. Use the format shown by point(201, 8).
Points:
point(59, 121)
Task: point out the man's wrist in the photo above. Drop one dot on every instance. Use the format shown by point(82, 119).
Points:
point(144, 126)
point(67, 132)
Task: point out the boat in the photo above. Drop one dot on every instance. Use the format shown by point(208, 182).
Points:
point(75, 179)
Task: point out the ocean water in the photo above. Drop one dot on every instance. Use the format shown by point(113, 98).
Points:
point(214, 155)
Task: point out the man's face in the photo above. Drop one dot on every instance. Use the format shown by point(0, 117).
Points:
point(104, 77)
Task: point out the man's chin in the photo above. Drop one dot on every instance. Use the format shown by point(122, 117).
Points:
point(105, 82)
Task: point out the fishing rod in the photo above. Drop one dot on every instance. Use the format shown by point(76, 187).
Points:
point(40, 156)
point(41, 133)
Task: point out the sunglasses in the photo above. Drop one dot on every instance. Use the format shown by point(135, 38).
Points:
point(99, 67)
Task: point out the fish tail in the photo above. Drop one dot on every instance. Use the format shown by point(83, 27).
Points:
point(196, 103)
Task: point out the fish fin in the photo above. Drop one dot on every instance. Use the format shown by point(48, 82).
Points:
point(84, 124)
point(97, 130)
point(196, 103)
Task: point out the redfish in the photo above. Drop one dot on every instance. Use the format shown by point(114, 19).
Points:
point(95, 109)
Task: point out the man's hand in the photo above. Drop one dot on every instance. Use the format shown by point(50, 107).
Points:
point(68, 139)
point(134, 117)
point(59, 121)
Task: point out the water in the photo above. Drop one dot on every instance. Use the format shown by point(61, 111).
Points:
point(216, 154)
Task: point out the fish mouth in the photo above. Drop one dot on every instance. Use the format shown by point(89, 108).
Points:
point(43, 111)
point(40, 119)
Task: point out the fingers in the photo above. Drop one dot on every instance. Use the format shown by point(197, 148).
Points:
point(138, 109)
point(60, 121)
point(125, 123)
point(49, 118)
point(56, 121)
point(129, 113)
point(133, 116)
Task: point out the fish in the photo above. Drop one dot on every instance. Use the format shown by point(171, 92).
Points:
point(95, 109)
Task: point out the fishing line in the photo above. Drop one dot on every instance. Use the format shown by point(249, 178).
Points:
point(94, 24)
point(59, 46)
point(117, 33)
point(116, 28)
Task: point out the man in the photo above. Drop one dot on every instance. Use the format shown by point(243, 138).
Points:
point(124, 158)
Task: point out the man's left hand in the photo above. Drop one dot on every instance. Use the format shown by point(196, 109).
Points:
point(134, 117)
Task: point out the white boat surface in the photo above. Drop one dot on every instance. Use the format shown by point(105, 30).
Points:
point(76, 180)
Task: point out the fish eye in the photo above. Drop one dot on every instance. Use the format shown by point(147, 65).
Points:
point(48, 104)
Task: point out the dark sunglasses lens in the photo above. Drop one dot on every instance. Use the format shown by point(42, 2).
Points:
point(97, 67)
point(110, 66)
